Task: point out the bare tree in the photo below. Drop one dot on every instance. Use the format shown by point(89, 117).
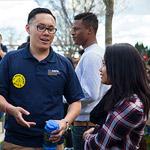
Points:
point(10, 36)
point(109, 4)
point(111, 7)
point(65, 10)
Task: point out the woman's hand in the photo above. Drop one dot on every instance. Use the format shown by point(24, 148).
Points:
point(87, 133)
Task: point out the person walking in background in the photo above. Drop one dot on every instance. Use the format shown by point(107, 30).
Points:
point(83, 32)
point(33, 81)
point(3, 48)
point(122, 113)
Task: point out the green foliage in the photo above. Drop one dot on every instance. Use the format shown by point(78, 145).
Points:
point(144, 50)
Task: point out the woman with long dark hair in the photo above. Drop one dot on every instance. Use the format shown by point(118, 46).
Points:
point(122, 113)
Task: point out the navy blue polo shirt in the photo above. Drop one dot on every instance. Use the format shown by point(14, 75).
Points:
point(38, 87)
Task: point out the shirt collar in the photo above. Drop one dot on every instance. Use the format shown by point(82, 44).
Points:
point(50, 58)
point(90, 47)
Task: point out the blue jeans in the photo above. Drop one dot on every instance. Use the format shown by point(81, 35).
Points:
point(1, 114)
point(77, 137)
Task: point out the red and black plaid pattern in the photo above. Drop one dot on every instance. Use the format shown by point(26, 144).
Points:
point(123, 129)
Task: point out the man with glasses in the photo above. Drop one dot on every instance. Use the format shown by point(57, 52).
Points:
point(33, 81)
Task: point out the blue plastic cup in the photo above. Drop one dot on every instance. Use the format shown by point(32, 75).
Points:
point(50, 126)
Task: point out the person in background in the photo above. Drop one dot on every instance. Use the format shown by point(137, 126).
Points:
point(25, 43)
point(3, 48)
point(33, 81)
point(122, 113)
point(83, 32)
point(67, 135)
point(3, 51)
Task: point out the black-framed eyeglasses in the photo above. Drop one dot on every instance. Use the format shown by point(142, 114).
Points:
point(43, 28)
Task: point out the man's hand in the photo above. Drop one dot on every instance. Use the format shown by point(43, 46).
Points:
point(18, 113)
point(57, 134)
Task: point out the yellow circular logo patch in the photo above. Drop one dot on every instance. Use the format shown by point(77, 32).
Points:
point(18, 80)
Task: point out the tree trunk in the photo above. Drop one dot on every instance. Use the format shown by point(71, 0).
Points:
point(108, 21)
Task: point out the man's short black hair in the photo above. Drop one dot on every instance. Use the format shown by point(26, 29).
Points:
point(88, 18)
point(39, 10)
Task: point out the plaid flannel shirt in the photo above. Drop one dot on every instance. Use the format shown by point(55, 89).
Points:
point(123, 128)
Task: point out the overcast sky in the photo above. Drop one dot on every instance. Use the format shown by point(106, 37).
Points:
point(134, 23)
point(131, 25)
